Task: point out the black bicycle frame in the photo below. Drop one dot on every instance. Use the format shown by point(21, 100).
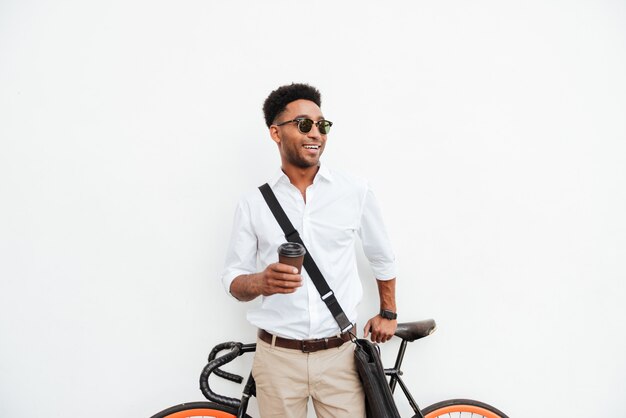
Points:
point(396, 374)
point(250, 387)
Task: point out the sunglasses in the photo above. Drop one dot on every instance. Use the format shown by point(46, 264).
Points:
point(305, 125)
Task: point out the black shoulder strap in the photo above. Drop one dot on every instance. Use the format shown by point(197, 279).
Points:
point(292, 235)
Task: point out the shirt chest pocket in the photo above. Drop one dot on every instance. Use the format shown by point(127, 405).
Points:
point(335, 231)
point(340, 235)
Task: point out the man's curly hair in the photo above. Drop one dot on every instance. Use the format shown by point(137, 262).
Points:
point(278, 100)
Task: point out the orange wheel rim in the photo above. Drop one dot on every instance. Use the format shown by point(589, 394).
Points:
point(200, 412)
point(462, 408)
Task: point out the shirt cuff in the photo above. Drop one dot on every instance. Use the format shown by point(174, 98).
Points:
point(384, 271)
point(228, 278)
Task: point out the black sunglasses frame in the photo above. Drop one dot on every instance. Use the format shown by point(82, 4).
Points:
point(322, 125)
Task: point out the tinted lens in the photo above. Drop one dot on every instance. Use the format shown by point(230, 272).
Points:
point(324, 126)
point(305, 125)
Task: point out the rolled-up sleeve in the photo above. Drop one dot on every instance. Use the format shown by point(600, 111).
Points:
point(241, 253)
point(375, 240)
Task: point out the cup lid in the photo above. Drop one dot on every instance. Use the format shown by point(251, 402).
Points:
point(291, 249)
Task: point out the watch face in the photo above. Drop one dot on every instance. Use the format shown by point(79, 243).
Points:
point(388, 314)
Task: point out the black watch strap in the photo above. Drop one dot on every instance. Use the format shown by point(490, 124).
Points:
point(387, 314)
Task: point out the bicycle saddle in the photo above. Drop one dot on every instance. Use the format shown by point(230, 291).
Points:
point(412, 331)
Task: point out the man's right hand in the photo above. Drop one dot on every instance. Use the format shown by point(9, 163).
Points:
point(276, 278)
point(279, 278)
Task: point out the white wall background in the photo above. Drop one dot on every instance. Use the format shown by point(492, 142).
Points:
point(493, 131)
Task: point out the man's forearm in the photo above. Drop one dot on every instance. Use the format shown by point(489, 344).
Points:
point(382, 329)
point(387, 294)
point(246, 287)
point(276, 278)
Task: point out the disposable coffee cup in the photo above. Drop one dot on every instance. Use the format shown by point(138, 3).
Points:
point(292, 253)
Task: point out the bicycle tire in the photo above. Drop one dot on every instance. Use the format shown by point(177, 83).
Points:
point(198, 410)
point(462, 408)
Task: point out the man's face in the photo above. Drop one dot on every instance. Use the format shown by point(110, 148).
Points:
point(302, 150)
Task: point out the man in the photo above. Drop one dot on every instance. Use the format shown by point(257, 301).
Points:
point(328, 208)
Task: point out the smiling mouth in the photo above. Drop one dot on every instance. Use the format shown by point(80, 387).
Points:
point(311, 146)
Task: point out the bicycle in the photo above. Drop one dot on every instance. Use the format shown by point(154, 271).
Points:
point(227, 407)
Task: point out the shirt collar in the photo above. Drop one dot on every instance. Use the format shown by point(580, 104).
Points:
point(322, 173)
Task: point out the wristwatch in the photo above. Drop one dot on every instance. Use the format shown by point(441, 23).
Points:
point(387, 314)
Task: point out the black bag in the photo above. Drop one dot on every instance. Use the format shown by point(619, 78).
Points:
point(379, 401)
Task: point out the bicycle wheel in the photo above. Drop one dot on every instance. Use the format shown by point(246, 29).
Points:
point(462, 408)
point(198, 410)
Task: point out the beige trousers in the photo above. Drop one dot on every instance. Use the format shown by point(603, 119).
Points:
point(286, 378)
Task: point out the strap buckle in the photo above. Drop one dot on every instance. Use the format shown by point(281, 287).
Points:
point(292, 233)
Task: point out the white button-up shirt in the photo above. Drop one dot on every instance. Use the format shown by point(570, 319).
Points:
point(337, 208)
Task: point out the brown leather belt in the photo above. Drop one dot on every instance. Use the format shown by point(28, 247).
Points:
point(306, 346)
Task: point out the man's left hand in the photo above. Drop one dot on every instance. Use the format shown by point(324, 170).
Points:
point(382, 329)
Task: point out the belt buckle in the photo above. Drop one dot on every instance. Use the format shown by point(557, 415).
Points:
point(311, 346)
